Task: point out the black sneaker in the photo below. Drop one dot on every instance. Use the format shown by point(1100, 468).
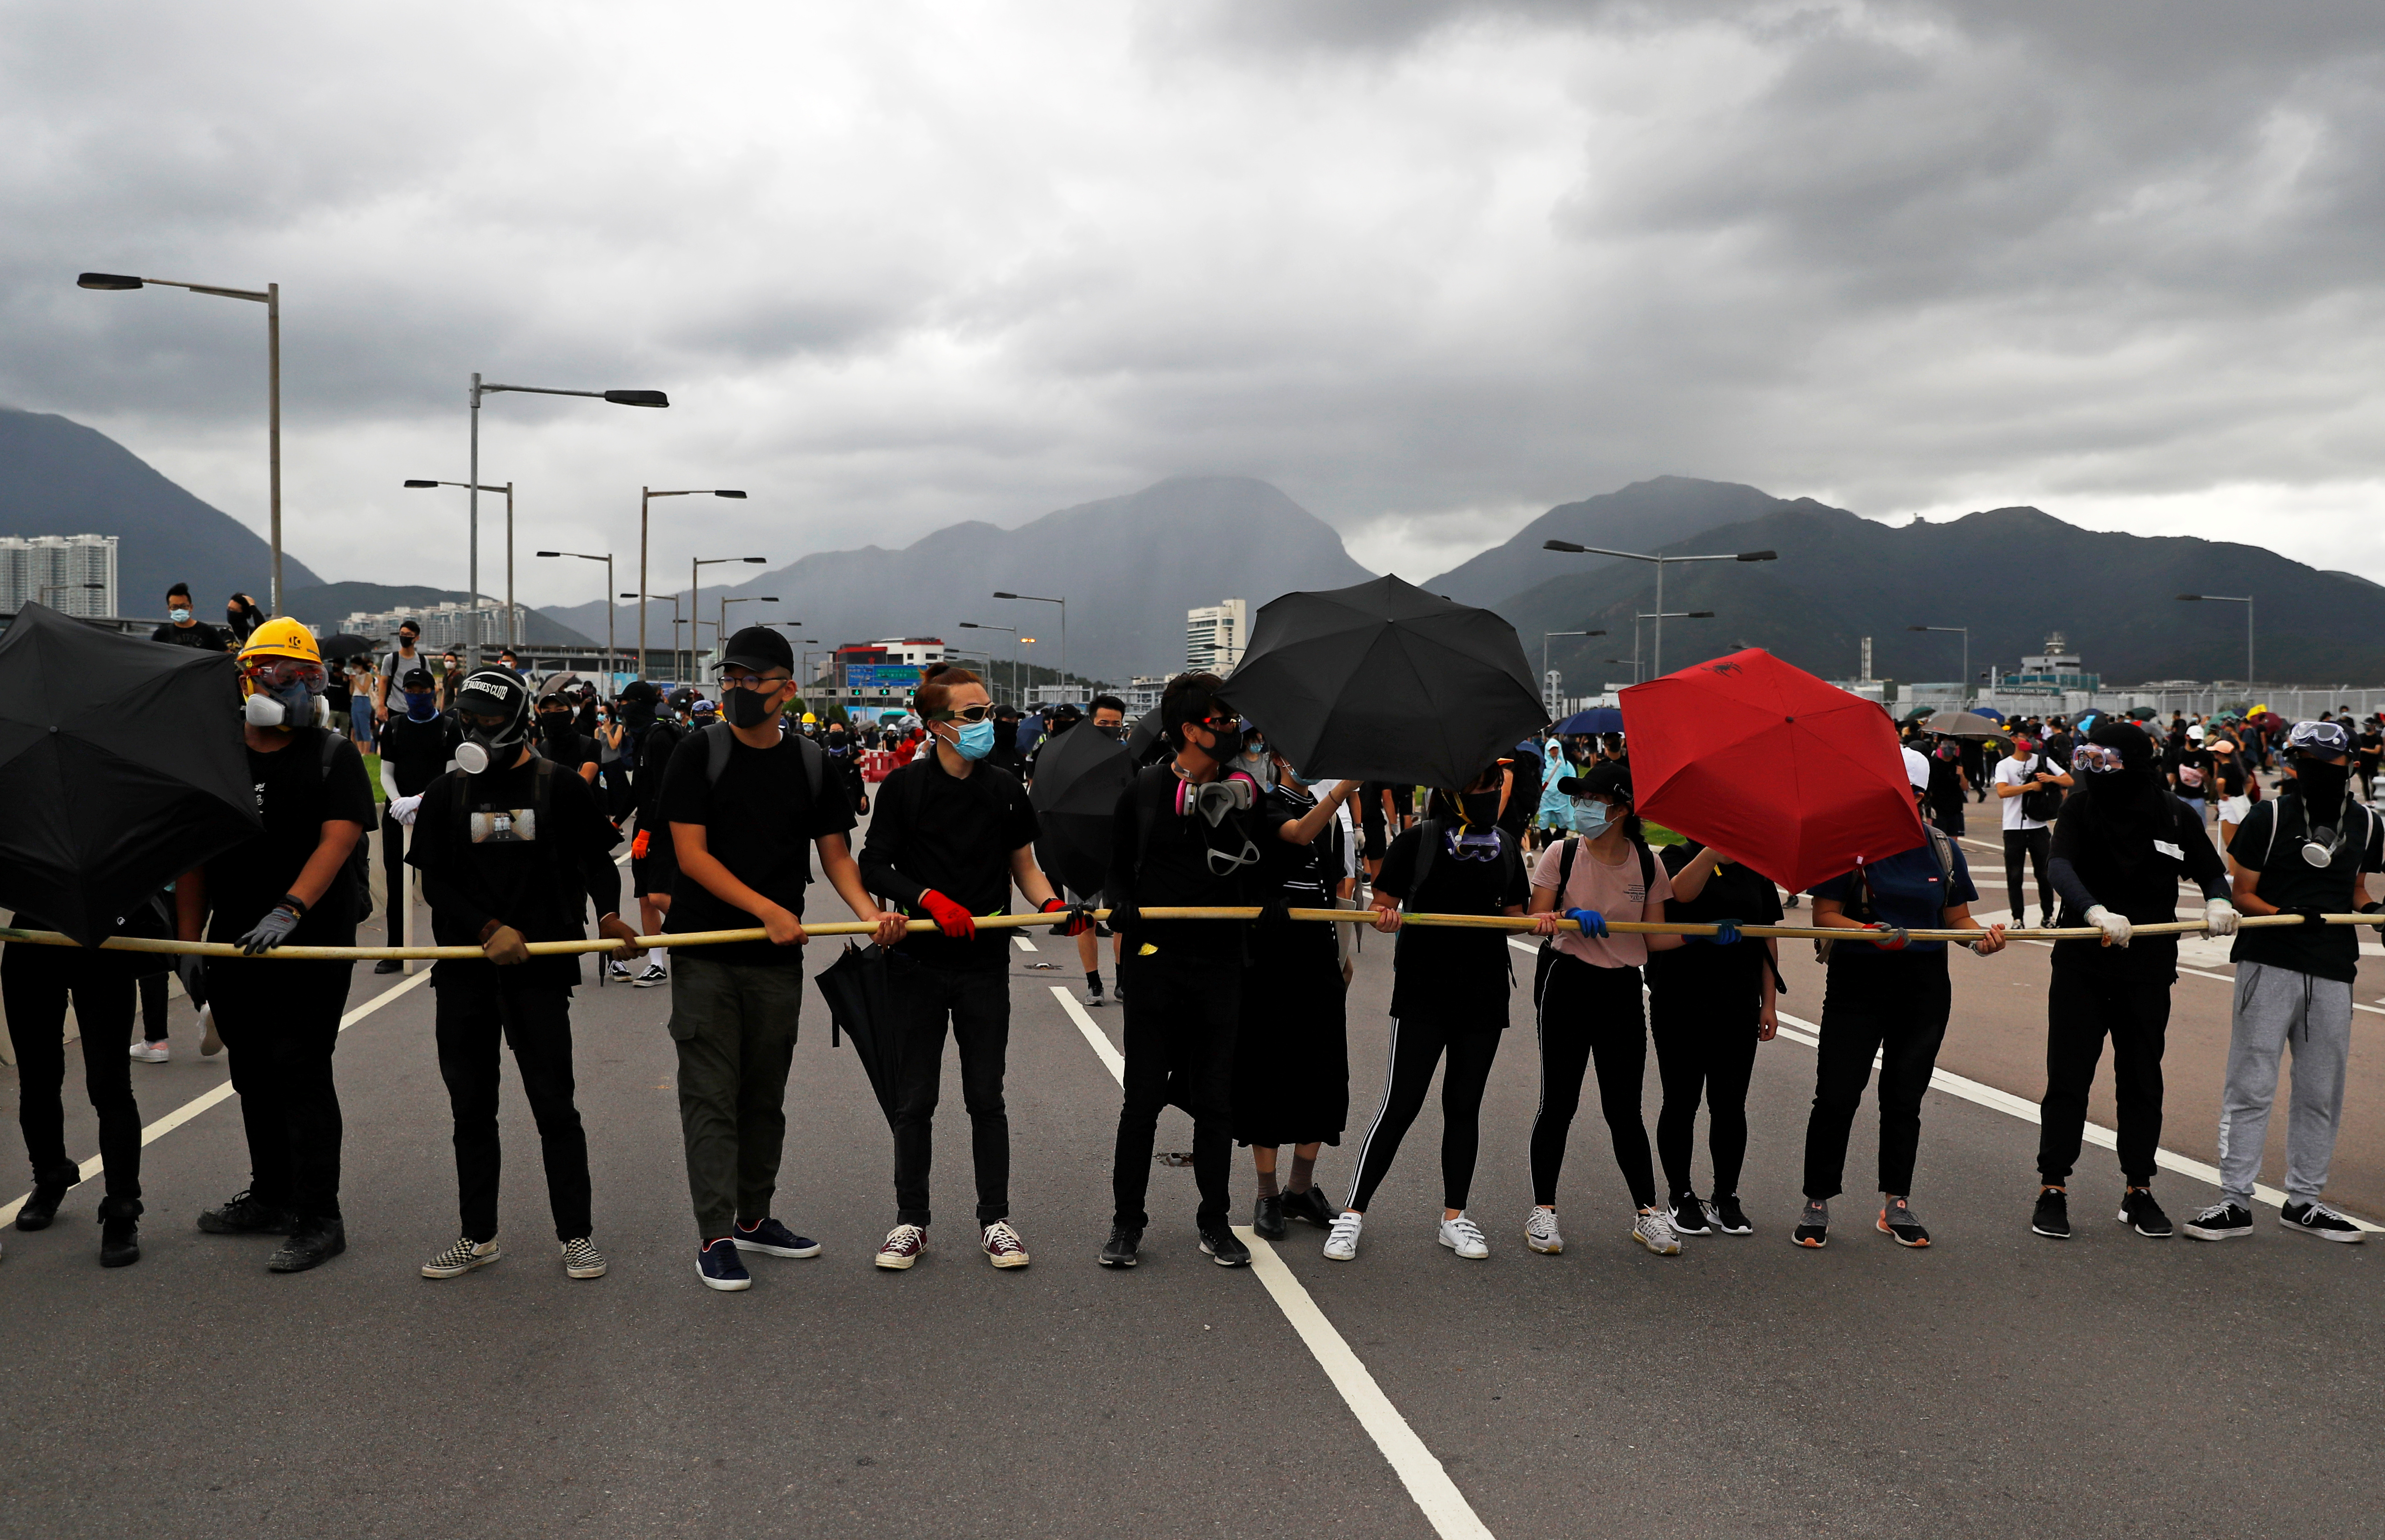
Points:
point(652, 975)
point(2317, 1219)
point(2140, 1213)
point(1124, 1242)
point(2052, 1215)
point(1266, 1218)
point(1689, 1215)
point(1311, 1207)
point(243, 1215)
point(1224, 1247)
point(2221, 1221)
point(388, 965)
point(317, 1243)
point(1813, 1230)
point(119, 1241)
point(42, 1204)
point(1898, 1224)
point(1729, 1217)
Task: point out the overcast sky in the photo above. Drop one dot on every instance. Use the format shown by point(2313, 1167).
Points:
point(1427, 267)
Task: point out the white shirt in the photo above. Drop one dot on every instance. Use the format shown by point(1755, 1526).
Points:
point(2016, 772)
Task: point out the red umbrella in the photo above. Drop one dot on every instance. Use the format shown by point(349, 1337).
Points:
point(1784, 773)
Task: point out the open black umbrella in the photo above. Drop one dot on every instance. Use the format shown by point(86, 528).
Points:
point(121, 767)
point(1144, 736)
point(861, 1006)
point(346, 645)
point(1077, 778)
point(1386, 682)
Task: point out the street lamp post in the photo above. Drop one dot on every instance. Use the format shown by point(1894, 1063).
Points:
point(980, 625)
point(270, 297)
point(619, 398)
point(1545, 656)
point(2245, 600)
point(41, 592)
point(1657, 665)
point(1966, 630)
point(721, 627)
point(612, 661)
point(1659, 618)
point(1038, 599)
point(803, 691)
point(472, 628)
point(646, 496)
point(695, 600)
point(641, 599)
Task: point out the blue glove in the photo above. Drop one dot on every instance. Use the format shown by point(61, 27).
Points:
point(1726, 933)
point(1590, 921)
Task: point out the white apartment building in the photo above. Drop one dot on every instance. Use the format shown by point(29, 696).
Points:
point(444, 626)
point(59, 571)
point(1215, 636)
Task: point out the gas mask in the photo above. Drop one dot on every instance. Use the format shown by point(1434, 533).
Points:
point(494, 711)
point(2325, 790)
point(283, 692)
point(1214, 801)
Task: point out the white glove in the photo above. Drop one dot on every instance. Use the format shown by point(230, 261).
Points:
point(404, 809)
point(2117, 930)
point(2219, 918)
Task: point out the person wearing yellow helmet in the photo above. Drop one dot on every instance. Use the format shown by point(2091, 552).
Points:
point(291, 881)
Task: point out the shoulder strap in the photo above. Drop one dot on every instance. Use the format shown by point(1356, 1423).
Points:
point(1943, 849)
point(1427, 846)
point(1565, 848)
point(1647, 865)
point(328, 748)
point(815, 759)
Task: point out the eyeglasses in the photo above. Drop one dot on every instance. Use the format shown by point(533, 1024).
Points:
point(753, 681)
point(962, 714)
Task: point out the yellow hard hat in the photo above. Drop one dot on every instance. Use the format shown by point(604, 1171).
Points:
point(809, 718)
point(284, 638)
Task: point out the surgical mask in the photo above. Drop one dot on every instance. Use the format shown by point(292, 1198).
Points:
point(1592, 817)
point(744, 708)
point(179, 613)
point(974, 741)
point(1254, 764)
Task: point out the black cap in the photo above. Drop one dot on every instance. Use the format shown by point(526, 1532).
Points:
point(760, 649)
point(415, 678)
point(640, 690)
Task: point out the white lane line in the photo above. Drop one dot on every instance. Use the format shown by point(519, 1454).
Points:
point(222, 1093)
point(1024, 944)
point(1444, 1506)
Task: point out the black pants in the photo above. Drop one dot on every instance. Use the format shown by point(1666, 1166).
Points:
point(34, 984)
point(2037, 845)
point(2083, 1003)
point(153, 1007)
point(1894, 1005)
point(1180, 1025)
point(280, 1022)
point(1589, 1012)
point(975, 1002)
point(1705, 1048)
point(392, 873)
point(1418, 1043)
point(536, 1023)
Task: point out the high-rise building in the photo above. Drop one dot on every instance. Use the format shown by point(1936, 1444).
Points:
point(1215, 636)
point(59, 571)
point(444, 625)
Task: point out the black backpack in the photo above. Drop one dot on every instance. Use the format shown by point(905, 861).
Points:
point(2041, 803)
point(717, 740)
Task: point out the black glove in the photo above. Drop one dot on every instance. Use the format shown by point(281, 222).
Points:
point(1125, 918)
point(1274, 913)
point(2372, 909)
point(2312, 913)
point(192, 972)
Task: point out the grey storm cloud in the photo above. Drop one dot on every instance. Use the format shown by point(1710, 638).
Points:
point(1429, 268)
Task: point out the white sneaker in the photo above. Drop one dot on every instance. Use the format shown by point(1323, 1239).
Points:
point(210, 1045)
point(149, 1053)
point(1654, 1229)
point(1464, 1238)
point(1342, 1241)
point(1541, 1232)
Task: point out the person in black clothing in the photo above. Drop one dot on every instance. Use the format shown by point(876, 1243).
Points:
point(1005, 754)
point(559, 738)
point(181, 630)
point(952, 834)
point(293, 882)
point(1182, 836)
point(1708, 1008)
point(845, 766)
point(1449, 997)
point(2121, 846)
point(1948, 788)
point(1526, 765)
point(508, 854)
point(651, 865)
point(243, 615)
point(1374, 812)
point(415, 745)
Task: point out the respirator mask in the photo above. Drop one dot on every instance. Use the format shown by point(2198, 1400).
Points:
point(494, 710)
point(283, 692)
point(1213, 802)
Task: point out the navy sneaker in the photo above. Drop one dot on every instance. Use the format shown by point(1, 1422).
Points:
point(776, 1238)
point(717, 1263)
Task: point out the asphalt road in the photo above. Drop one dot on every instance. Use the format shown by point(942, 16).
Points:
point(1996, 1384)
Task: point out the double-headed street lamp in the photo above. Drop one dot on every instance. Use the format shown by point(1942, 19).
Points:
point(695, 600)
point(270, 297)
point(472, 626)
point(720, 629)
point(1659, 618)
point(1038, 599)
point(1658, 664)
point(1966, 630)
point(612, 662)
point(1544, 653)
point(980, 625)
point(646, 496)
point(641, 599)
point(2245, 600)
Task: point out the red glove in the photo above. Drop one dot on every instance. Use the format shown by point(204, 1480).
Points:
point(638, 846)
point(1897, 938)
point(950, 917)
point(1079, 921)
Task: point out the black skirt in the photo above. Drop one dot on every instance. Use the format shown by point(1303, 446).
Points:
point(1291, 1053)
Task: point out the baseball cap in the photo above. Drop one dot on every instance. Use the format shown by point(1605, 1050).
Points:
point(415, 678)
point(640, 690)
point(2325, 740)
point(760, 649)
point(1916, 770)
point(2194, 734)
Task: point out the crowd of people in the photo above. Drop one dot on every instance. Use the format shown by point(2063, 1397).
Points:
point(507, 798)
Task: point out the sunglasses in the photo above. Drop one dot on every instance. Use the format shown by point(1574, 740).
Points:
point(962, 714)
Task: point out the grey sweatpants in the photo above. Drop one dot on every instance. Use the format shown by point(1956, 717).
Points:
point(2275, 1006)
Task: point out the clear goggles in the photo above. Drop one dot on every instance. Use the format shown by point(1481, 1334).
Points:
point(274, 673)
point(2095, 758)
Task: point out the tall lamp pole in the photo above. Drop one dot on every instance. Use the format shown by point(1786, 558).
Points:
point(646, 496)
point(720, 629)
point(1659, 619)
point(1966, 630)
point(1657, 665)
point(1544, 656)
point(1038, 599)
point(472, 628)
point(270, 297)
point(612, 661)
point(695, 601)
point(2245, 600)
point(979, 625)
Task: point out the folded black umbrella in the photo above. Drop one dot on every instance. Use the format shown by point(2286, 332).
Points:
point(1077, 778)
point(121, 767)
point(1386, 682)
point(861, 1005)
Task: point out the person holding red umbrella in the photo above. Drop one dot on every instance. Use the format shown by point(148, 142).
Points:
point(1891, 998)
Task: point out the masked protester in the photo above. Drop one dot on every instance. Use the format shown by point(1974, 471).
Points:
point(952, 836)
point(1449, 999)
point(293, 881)
point(652, 867)
point(559, 739)
point(2305, 851)
point(844, 765)
point(1183, 834)
point(1108, 718)
point(243, 615)
point(182, 629)
point(511, 847)
point(2121, 846)
point(415, 744)
point(1890, 1001)
point(747, 804)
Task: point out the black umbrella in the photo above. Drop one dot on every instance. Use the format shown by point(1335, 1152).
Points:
point(1144, 736)
point(861, 1004)
point(121, 767)
point(1077, 778)
point(1386, 682)
point(346, 645)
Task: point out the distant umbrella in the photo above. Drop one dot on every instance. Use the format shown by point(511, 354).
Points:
point(1597, 720)
point(1385, 682)
point(346, 645)
point(1962, 724)
point(121, 767)
point(861, 1006)
point(1077, 778)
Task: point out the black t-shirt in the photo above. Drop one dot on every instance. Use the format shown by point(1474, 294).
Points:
point(1945, 783)
point(759, 820)
point(1160, 858)
point(198, 634)
point(955, 835)
point(654, 770)
point(2139, 884)
point(581, 751)
point(1732, 892)
point(1304, 876)
point(1370, 806)
point(415, 752)
point(297, 794)
point(2193, 769)
point(2370, 747)
point(489, 849)
point(1436, 970)
point(2290, 882)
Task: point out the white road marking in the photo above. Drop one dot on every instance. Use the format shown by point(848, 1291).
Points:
point(1024, 944)
point(1444, 1506)
point(222, 1093)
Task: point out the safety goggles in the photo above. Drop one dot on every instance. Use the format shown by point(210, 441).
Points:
point(281, 673)
point(962, 714)
point(2095, 758)
point(1472, 844)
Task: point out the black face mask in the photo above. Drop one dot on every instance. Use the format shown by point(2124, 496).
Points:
point(2321, 786)
point(556, 727)
point(638, 714)
point(744, 708)
point(1480, 809)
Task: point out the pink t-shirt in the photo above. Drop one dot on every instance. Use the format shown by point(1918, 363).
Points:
point(1615, 892)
